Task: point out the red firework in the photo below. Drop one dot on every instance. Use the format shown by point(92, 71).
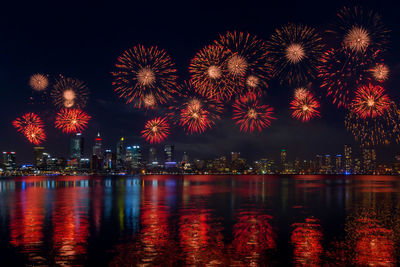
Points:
point(145, 76)
point(209, 73)
point(370, 101)
point(72, 120)
point(193, 111)
point(305, 107)
point(31, 125)
point(156, 130)
point(250, 115)
point(35, 134)
point(343, 71)
point(247, 64)
point(28, 119)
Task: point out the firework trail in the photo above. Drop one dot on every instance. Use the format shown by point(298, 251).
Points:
point(70, 93)
point(145, 76)
point(72, 120)
point(304, 106)
point(156, 130)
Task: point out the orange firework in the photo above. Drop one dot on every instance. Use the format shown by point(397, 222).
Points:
point(295, 51)
point(380, 72)
point(35, 134)
point(70, 93)
point(39, 82)
point(72, 120)
point(195, 112)
point(304, 106)
point(247, 65)
point(156, 130)
point(145, 76)
point(31, 125)
point(358, 30)
point(209, 73)
point(370, 101)
point(250, 114)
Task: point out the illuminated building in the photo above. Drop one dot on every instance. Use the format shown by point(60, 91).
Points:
point(153, 160)
point(348, 162)
point(357, 166)
point(38, 156)
point(338, 164)
point(121, 153)
point(283, 160)
point(77, 146)
point(185, 158)
point(327, 167)
point(319, 164)
point(169, 151)
point(235, 156)
point(109, 160)
point(220, 165)
point(97, 147)
point(369, 160)
point(133, 157)
point(9, 161)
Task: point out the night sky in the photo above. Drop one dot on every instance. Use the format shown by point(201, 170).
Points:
point(83, 40)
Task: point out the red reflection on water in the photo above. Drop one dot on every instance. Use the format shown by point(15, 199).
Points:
point(374, 244)
point(26, 218)
point(201, 242)
point(253, 234)
point(70, 224)
point(306, 240)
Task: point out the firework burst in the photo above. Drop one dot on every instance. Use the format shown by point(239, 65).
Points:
point(300, 93)
point(374, 131)
point(39, 82)
point(209, 73)
point(370, 101)
point(70, 93)
point(247, 65)
point(304, 106)
point(72, 120)
point(295, 51)
point(342, 72)
point(358, 29)
point(145, 77)
point(31, 125)
point(250, 115)
point(156, 130)
point(194, 112)
point(380, 72)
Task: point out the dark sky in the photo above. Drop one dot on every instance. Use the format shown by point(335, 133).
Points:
point(83, 40)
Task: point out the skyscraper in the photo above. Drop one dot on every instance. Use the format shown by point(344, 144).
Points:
point(153, 156)
point(77, 146)
point(348, 162)
point(97, 147)
point(121, 154)
point(109, 160)
point(134, 157)
point(235, 156)
point(169, 153)
point(338, 164)
point(185, 158)
point(38, 156)
point(369, 160)
point(283, 160)
point(9, 161)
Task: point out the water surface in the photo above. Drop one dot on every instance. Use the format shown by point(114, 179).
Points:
point(200, 220)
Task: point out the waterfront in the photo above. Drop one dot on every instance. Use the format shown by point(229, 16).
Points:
point(186, 220)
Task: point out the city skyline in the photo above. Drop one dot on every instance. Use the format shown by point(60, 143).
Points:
point(113, 118)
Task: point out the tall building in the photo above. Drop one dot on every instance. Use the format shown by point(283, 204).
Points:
point(283, 160)
point(169, 151)
point(97, 147)
point(348, 161)
point(369, 160)
point(153, 156)
point(134, 157)
point(327, 165)
point(338, 164)
point(121, 154)
point(109, 160)
point(185, 158)
point(235, 156)
point(38, 156)
point(9, 161)
point(319, 164)
point(77, 146)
